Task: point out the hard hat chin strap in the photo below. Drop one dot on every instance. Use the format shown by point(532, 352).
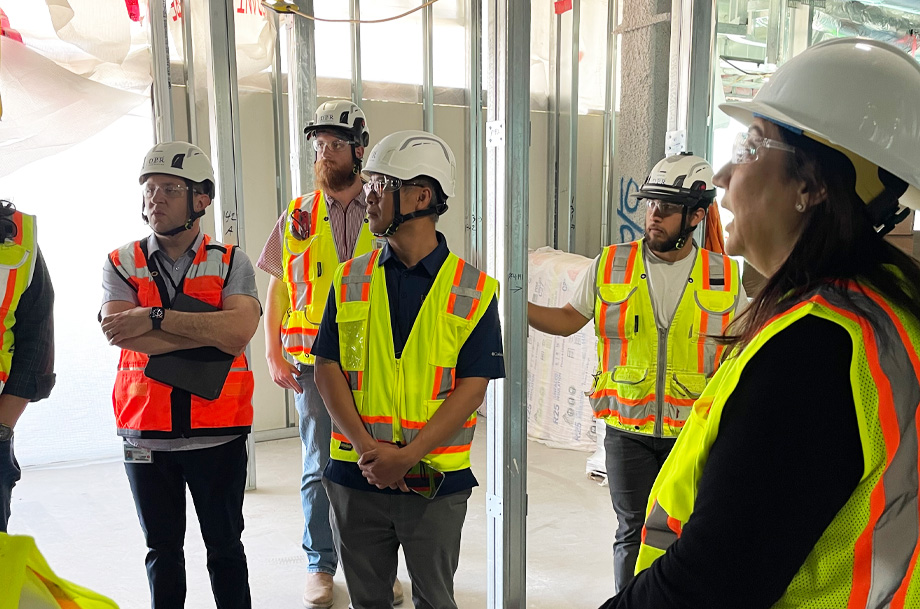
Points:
point(189, 223)
point(399, 218)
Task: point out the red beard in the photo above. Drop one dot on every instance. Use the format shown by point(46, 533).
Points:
point(329, 177)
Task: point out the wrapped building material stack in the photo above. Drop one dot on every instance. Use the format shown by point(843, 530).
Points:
point(560, 369)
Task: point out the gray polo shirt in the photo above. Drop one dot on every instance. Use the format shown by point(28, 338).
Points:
point(242, 280)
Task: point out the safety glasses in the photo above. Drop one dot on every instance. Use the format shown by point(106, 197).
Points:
point(334, 145)
point(747, 147)
point(170, 190)
point(380, 184)
point(663, 207)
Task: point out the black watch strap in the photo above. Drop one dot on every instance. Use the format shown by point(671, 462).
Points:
point(156, 316)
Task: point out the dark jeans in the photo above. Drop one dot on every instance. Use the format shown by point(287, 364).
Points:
point(633, 462)
point(216, 478)
point(9, 475)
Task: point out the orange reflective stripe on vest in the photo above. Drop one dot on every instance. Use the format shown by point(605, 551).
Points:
point(143, 406)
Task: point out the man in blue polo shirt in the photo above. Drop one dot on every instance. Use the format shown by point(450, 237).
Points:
point(416, 332)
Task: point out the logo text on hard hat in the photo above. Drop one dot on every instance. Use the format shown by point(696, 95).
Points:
point(157, 160)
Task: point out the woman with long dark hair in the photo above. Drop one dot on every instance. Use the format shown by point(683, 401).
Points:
point(795, 481)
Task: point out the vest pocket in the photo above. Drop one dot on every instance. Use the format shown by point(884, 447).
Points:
point(715, 302)
point(141, 403)
point(616, 293)
point(688, 384)
point(618, 320)
point(232, 409)
point(449, 335)
point(351, 318)
point(632, 384)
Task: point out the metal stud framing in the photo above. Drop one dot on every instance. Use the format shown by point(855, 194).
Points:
point(507, 144)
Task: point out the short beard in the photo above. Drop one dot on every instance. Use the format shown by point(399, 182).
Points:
point(332, 178)
point(661, 245)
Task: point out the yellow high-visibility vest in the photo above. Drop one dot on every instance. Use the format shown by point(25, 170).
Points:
point(309, 259)
point(397, 397)
point(867, 556)
point(23, 566)
point(648, 378)
point(17, 262)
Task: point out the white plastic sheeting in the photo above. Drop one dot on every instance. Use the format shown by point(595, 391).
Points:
point(559, 369)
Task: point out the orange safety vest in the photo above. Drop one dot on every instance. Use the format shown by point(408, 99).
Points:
point(145, 408)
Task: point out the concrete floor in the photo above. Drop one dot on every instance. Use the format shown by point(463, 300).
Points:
point(84, 522)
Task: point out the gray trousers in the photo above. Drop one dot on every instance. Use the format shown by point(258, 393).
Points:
point(369, 528)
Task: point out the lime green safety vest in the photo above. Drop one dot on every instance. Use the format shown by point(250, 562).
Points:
point(867, 556)
point(309, 259)
point(647, 377)
point(397, 397)
point(23, 566)
point(17, 262)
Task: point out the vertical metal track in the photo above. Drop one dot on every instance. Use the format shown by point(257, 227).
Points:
point(191, 94)
point(302, 98)
point(357, 85)
point(508, 149)
point(164, 127)
point(428, 68)
point(475, 143)
point(608, 195)
point(223, 93)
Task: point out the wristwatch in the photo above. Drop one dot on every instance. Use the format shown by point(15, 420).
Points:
point(6, 432)
point(156, 316)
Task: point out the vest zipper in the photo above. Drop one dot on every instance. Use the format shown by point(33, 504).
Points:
point(660, 380)
point(397, 411)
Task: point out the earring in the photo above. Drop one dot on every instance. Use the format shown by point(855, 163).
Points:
point(800, 207)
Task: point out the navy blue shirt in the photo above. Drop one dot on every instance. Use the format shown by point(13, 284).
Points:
point(480, 356)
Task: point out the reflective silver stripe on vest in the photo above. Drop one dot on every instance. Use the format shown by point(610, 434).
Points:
point(354, 281)
point(380, 431)
point(354, 378)
point(466, 294)
point(716, 273)
point(129, 265)
point(657, 532)
point(620, 262)
point(447, 383)
point(463, 437)
point(900, 520)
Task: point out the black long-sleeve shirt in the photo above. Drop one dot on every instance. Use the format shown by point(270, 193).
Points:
point(32, 373)
point(787, 458)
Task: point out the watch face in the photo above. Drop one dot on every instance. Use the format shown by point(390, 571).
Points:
point(156, 313)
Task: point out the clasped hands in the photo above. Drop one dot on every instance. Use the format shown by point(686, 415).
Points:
point(385, 465)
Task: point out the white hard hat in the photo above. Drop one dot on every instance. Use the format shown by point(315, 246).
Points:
point(343, 116)
point(409, 154)
point(179, 159)
point(682, 178)
point(859, 95)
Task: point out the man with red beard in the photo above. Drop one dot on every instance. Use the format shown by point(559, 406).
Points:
point(318, 231)
point(658, 305)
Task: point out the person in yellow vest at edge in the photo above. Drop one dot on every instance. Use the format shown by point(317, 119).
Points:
point(316, 233)
point(658, 304)
point(27, 354)
point(795, 482)
point(409, 341)
point(27, 582)
point(174, 439)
